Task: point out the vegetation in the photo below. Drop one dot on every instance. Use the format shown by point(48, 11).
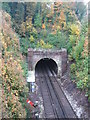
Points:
point(43, 25)
point(13, 82)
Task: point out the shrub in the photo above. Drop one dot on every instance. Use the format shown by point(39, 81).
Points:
point(13, 82)
point(73, 68)
point(74, 30)
point(78, 49)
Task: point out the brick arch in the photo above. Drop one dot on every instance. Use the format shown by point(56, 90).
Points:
point(54, 61)
point(59, 56)
point(44, 58)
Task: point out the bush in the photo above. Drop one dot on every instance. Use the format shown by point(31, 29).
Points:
point(13, 82)
point(74, 30)
point(24, 67)
point(71, 43)
point(24, 43)
point(73, 68)
point(58, 41)
point(78, 49)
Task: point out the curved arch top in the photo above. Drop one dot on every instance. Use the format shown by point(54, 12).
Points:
point(59, 56)
point(50, 62)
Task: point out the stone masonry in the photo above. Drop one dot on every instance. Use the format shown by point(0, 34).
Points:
point(59, 56)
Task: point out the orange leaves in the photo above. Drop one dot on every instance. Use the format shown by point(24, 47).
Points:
point(62, 20)
point(43, 26)
point(11, 72)
point(85, 51)
point(62, 15)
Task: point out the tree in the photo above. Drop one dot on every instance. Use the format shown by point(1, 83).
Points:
point(5, 6)
point(80, 9)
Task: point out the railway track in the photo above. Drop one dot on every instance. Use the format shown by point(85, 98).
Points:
point(65, 105)
point(55, 102)
point(47, 100)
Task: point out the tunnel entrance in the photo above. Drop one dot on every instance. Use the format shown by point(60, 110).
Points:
point(46, 62)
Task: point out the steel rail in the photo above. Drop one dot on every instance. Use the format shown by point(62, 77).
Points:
point(52, 96)
point(52, 92)
point(44, 95)
point(60, 89)
point(61, 112)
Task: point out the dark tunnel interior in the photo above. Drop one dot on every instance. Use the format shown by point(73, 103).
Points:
point(46, 62)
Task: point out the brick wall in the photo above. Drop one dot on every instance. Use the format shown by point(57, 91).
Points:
point(59, 56)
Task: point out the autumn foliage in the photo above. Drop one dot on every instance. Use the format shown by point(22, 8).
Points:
point(49, 26)
point(13, 82)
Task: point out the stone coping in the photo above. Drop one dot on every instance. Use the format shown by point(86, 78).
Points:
point(47, 50)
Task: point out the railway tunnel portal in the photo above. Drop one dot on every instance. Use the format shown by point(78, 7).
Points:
point(46, 63)
point(55, 58)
